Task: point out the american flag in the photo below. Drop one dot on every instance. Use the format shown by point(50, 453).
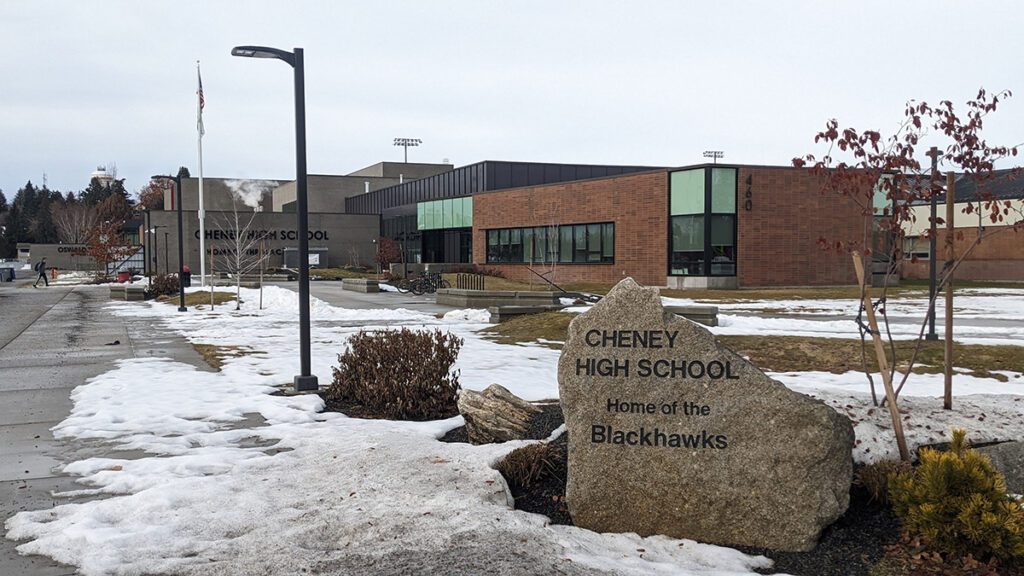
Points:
point(202, 102)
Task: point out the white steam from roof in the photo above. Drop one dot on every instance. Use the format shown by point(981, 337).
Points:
point(250, 192)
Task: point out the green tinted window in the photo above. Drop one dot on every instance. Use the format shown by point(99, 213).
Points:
point(467, 211)
point(565, 244)
point(723, 230)
point(447, 209)
point(420, 217)
point(688, 233)
point(880, 199)
point(723, 190)
point(687, 192)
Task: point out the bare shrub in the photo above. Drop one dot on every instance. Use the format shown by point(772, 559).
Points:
point(398, 374)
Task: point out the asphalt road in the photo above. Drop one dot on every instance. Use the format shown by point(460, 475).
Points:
point(51, 340)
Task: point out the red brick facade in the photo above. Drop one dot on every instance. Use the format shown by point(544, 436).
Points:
point(1000, 255)
point(777, 242)
point(637, 203)
point(778, 235)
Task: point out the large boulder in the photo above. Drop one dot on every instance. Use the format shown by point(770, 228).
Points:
point(1008, 459)
point(495, 415)
point(671, 433)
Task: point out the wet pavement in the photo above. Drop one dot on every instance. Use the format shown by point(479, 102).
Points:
point(52, 340)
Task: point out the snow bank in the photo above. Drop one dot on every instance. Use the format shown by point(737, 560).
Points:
point(238, 481)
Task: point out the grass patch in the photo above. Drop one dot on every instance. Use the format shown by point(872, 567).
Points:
point(199, 298)
point(838, 355)
point(338, 274)
point(793, 353)
point(216, 355)
point(528, 328)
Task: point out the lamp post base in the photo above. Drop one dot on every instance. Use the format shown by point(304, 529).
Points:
point(182, 309)
point(306, 383)
point(931, 336)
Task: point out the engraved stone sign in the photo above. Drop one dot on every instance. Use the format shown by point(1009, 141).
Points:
point(671, 433)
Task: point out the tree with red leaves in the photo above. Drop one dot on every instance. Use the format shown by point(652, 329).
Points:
point(865, 166)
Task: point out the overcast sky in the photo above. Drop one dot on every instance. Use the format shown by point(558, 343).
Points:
point(623, 82)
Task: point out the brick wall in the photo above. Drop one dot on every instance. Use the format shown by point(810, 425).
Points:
point(638, 204)
point(778, 236)
point(1000, 256)
point(777, 241)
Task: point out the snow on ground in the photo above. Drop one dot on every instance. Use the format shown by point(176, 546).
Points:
point(324, 489)
point(304, 490)
point(988, 409)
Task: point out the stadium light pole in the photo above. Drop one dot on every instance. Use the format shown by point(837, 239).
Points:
point(715, 154)
point(181, 240)
point(405, 143)
point(306, 381)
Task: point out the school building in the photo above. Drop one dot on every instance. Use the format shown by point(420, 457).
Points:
point(701, 226)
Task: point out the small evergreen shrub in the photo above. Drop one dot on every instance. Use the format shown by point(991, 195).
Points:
point(163, 285)
point(524, 466)
point(399, 374)
point(957, 504)
point(874, 478)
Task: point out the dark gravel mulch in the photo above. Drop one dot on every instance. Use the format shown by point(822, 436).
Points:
point(849, 547)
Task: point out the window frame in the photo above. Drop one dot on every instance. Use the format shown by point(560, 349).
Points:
point(550, 241)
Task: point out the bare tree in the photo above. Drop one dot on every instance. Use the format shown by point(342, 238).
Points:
point(243, 254)
point(73, 221)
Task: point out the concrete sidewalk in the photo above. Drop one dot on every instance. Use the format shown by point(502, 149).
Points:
point(52, 340)
point(332, 293)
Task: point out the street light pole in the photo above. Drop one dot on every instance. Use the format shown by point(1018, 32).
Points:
point(306, 381)
point(181, 240)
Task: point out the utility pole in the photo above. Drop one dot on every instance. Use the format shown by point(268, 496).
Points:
point(932, 255)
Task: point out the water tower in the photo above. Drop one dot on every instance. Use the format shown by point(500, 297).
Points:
point(103, 176)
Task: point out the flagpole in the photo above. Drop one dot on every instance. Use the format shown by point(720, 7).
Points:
point(202, 211)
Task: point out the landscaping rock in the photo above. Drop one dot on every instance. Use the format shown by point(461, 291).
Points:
point(1008, 459)
point(495, 415)
point(671, 433)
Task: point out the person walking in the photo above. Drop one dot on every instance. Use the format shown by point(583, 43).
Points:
point(40, 267)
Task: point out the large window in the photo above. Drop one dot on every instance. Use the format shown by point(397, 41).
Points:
point(447, 213)
point(702, 209)
point(571, 243)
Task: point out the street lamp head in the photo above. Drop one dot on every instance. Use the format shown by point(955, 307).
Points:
point(163, 177)
point(263, 52)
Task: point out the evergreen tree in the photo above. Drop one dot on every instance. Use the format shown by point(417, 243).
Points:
point(183, 172)
point(15, 230)
point(117, 189)
point(114, 209)
point(44, 230)
point(69, 198)
point(96, 193)
point(27, 200)
point(3, 202)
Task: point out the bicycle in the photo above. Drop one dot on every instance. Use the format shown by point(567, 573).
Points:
point(428, 283)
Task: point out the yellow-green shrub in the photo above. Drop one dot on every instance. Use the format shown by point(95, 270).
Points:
point(957, 503)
